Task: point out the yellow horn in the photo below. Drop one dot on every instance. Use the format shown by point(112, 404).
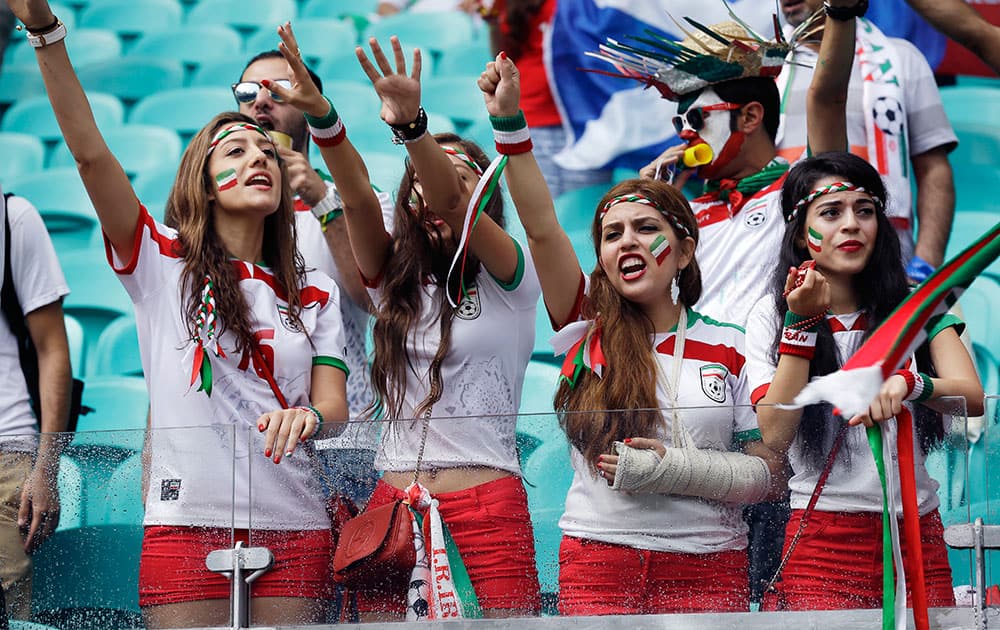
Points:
point(697, 155)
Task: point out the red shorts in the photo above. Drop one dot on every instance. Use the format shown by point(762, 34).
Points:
point(598, 578)
point(492, 529)
point(172, 566)
point(837, 563)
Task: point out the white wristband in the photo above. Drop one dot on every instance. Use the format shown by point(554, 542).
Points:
point(328, 204)
point(44, 39)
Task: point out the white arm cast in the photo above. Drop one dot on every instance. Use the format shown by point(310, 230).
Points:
point(718, 475)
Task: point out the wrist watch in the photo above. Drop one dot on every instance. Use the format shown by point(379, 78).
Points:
point(328, 204)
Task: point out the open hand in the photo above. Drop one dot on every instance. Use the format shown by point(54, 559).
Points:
point(38, 515)
point(400, 93)
point(303, 95)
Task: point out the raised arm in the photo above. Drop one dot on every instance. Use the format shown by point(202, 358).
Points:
point(826, 103)
point(441, 186)
point(555, 260)
point(365, 228)
point(105, 180)
point(962, 23)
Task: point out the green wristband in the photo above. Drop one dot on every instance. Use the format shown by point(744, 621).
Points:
point(509, 123)
point(323, 122)
point(928, 390)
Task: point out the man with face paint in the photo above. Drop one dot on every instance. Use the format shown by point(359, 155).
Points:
point(322, 240)
point(895, 120)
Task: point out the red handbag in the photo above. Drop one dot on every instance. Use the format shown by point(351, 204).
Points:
point(375, 547)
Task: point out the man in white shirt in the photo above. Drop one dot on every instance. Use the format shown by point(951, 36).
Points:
point(29, 463)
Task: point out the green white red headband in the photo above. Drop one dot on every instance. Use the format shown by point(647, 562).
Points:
point(465, 158)
point(233, 128)
point(646, 201)
point(835, 187)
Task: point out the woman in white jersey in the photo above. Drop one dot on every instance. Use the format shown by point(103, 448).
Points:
point(433, 360)
point(242, 351)
point(835, 207)
point(636, 540)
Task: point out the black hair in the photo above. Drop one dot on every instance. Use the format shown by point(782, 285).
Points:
point(879, 287)
point(275, 54)
point(759, 89)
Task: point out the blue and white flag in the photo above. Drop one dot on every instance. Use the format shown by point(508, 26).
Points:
point(615, 122)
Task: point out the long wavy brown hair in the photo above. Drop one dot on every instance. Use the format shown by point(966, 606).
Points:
point(622, 403)
point(417, 259)
point(191, 211)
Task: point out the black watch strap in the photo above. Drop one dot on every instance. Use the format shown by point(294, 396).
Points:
point(843, 14)
point(411, 131)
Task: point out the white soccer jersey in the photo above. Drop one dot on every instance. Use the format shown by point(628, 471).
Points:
point(737, 252)
point(716, 413)
point(492, 336)
point(206, 450)
point(38, 282)
point(853, 484)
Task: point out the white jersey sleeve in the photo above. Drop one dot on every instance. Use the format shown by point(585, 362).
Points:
point(38, 279)
point(761, 365)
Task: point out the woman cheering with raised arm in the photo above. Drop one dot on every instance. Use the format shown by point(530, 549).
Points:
point(432, 359)
point(655, 403)
point(242, 353)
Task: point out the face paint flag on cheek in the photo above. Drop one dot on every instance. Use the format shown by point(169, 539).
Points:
point(226, 179)
point(660, 248)
point(815, 240)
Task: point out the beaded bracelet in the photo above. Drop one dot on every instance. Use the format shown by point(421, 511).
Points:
point(319, 421)
point(328, 130)
point(511, 134)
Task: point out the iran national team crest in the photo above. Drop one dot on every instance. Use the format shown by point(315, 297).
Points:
point(713, 381)
point(286, 320)
point(469, 307)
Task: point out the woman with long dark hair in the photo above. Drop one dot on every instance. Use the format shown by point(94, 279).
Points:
point(655, 405)
point(834, 204)
point(242, 352)
point(434, 360)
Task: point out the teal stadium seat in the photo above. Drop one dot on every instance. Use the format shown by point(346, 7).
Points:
point(576, 208)
point(458, 98)
point(153, 187)
point(19, 624)
point(120, 405)
point(116, 352)
point(185, 110)
point(132, 78)
point(428, 31)
point(385, 170)
point(548, 474)
point(345, 67)
point(377, 137)
point(61, 199)
point(481, 132)
point(981, 311)
point(988, 367)
point(22, 154)
point(139, 148)
point(327, 9)
point(978, 146)
point(464, 59)
point(976, 105)
point(34, 116)
point(319, 39)
point(220, 72)
point(246, 16)
point(20, 82)
point(971, 182)
point(96, 297)
point(356, 103)
point(131, 19)
point(192, 45)
point(84, 45)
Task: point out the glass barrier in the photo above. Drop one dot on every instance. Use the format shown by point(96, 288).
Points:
point(553, 542)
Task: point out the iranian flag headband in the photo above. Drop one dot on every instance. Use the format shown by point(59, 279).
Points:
point(646, 201)
point(835, 187)
point(233, 128)
point(465, 158)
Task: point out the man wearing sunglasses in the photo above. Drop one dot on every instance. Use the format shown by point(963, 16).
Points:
point(322, 240)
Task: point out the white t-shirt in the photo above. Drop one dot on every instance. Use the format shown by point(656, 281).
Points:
point(315, 251)
point(715, 410)
point(737, 252)
point(38, 281)
point(193, 477)
point(492, 336)
point(927, 124)
point(853, 484)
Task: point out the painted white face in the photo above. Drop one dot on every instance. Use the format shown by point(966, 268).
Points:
point(710, 125)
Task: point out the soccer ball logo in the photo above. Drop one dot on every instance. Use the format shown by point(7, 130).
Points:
point(469, 307)
point(888, 114)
